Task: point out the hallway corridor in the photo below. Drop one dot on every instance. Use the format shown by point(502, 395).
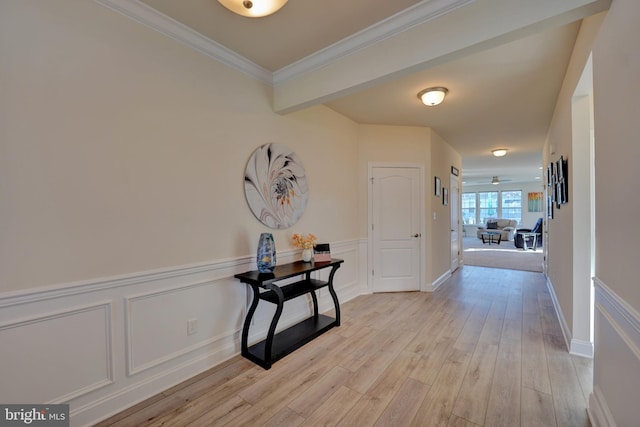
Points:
point(485, 349)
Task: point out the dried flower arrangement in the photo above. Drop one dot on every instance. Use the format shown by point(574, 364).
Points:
point(304, 242)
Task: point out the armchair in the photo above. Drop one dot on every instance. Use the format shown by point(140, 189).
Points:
point(518, 241)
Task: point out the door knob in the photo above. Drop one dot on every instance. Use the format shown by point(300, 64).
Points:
point(417, 235)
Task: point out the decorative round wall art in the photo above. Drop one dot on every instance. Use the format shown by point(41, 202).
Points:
point(275, 186)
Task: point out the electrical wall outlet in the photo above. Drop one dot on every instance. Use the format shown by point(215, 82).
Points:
point(192, 326)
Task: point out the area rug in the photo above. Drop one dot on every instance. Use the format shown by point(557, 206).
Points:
point(504, 255)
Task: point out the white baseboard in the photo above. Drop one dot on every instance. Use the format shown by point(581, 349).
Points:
point(598, 411)
point(110, 404)
point(581, 348)
point(574, 346)
point(438, 282)
point(566, 332)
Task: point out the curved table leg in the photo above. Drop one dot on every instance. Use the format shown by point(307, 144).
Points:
point(272, 328)
point(247, 320)
point(334, 296)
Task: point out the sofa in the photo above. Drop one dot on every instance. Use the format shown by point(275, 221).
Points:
point(507, 228)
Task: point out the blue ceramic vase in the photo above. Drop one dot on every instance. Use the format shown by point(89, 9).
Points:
point(266, 258)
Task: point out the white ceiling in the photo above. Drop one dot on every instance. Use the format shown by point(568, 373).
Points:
point(502, 90)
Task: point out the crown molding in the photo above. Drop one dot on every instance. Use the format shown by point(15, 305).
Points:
point(418, 14)
point(413, 16)
point(148, 16)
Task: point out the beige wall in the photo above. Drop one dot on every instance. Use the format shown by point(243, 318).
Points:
point(616, 70)
point(616, 73)
point(442, 158)
point(393, 144)
point(613, 38)
point(124, 151)
point(122, 210)
point(413, 145)
point(561, 228)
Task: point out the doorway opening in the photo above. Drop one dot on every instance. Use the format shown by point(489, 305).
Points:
point(583, 185)
point(493, 216)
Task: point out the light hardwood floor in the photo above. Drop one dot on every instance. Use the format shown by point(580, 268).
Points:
point(486, 349)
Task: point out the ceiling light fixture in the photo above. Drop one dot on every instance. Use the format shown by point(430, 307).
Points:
point(255, 8)
point(499, 152)
point(495, 180)
point(433, 95)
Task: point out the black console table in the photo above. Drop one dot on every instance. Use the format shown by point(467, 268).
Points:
point(276, 346)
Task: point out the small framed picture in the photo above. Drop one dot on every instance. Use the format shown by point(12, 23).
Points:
point(559, 170)
point(454, 171)
point(445, 196)
point(437, 187)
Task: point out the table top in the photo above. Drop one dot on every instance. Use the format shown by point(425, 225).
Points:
point(284, 271)
point(491, 232)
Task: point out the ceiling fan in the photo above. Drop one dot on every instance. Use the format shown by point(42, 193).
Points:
point(483, 181)
point(496, 180)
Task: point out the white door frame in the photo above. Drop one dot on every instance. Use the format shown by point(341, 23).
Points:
point(420, 167)
point(454, 179)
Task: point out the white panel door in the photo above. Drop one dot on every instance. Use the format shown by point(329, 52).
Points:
point(396, 229)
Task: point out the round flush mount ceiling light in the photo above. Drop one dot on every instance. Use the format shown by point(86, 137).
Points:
point(499, 152)
point(253, 8)
point(433, 95)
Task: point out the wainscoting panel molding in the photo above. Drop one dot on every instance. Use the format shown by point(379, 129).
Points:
point(363, 276)
point(166, 313)
point(347, 287)
point(103, 345)
point(616, 367)
point(40, 357)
